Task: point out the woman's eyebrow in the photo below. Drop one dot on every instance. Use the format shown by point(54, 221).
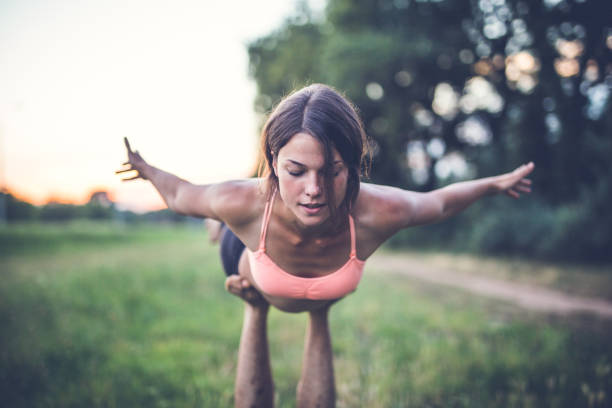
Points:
point(297, 163)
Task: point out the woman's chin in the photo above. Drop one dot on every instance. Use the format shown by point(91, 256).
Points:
point(312, 218)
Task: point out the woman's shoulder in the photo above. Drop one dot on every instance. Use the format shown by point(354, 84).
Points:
point(380, 207)
point(239, 202)
point(375, 199)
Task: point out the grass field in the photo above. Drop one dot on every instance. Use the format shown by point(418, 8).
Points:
point(100, 315)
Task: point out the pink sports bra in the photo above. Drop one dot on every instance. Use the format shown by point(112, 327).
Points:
point(274, 281)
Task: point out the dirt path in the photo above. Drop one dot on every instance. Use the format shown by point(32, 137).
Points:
point(527, 296)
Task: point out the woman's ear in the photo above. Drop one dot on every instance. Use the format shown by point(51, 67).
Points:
point(275, 164)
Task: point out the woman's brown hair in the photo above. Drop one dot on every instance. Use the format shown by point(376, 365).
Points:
point(326, 115)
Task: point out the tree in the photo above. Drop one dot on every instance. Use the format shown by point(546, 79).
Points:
point(17, 210)
point(555, 78)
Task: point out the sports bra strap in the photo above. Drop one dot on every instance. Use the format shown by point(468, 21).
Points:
point(353, 246)
point(266, 220)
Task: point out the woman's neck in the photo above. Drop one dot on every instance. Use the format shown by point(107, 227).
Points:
point(327, 228)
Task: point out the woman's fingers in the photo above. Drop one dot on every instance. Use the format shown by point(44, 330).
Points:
point(526, 168)
point(523, 170)
point(127, 144)
point(133, 163)
point(515, 182)
point(523, 189)
point(515, 190)
point(123, 170)
point(512, 193)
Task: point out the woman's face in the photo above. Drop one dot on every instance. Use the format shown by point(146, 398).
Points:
point(300, 168)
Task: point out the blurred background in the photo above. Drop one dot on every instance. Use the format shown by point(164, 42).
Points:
point(448, 90)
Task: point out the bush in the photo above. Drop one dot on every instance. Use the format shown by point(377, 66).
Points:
point(61, 212)
point(580, 231)
point(17, 210)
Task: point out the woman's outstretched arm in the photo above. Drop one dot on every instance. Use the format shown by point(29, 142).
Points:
point(205, 201)
point(397, 209)
point(445, 202)
point(437, 205)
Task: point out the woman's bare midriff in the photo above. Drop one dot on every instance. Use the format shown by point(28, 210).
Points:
point(285, 304)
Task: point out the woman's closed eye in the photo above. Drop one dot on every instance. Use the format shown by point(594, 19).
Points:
point(296, 173)
point(337, 170)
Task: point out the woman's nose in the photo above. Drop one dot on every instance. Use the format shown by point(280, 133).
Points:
point(313, 186)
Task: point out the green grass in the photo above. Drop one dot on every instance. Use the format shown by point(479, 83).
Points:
point(102, 315)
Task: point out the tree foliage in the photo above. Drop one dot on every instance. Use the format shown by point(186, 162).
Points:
point(18, 211)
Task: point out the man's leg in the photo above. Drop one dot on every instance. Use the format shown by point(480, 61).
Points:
point(317, 386)
point(254, 386)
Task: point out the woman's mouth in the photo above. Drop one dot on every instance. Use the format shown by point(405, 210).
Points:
point(312, 209)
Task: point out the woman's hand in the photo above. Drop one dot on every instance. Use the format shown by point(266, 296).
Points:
point(514, 183)
point(134, 162)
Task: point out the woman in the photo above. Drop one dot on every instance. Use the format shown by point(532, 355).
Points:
point(308, 227)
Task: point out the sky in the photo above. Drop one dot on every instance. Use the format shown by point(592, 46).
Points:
point(172, 76)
